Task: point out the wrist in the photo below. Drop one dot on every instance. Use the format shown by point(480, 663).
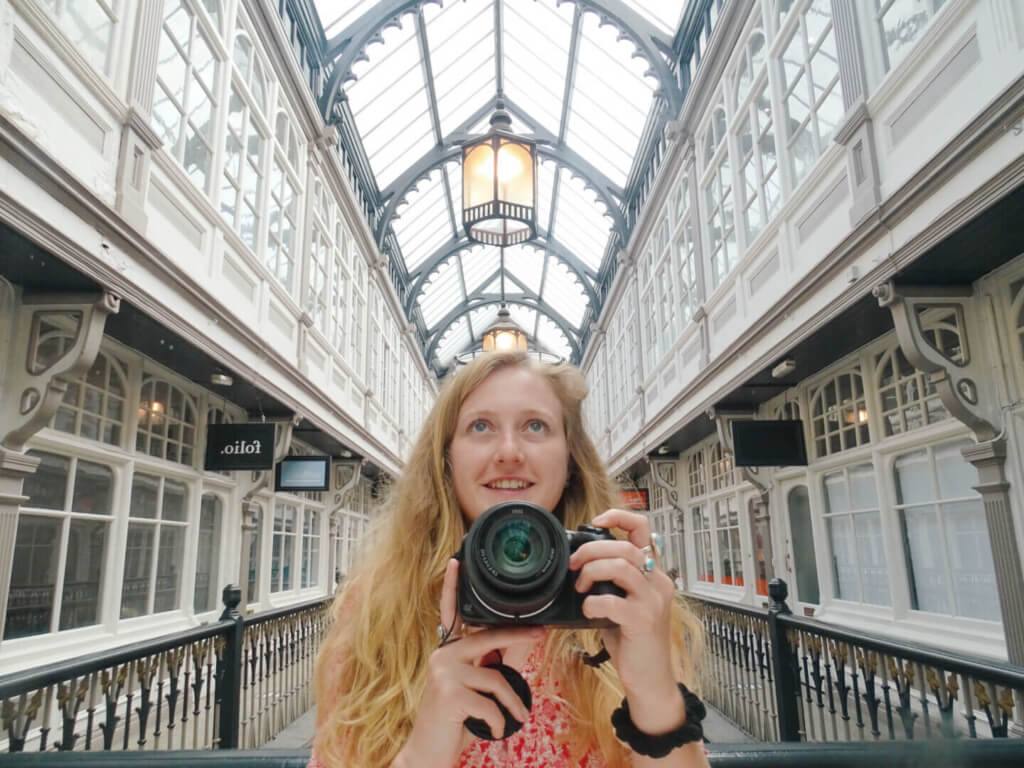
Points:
point(657, 709)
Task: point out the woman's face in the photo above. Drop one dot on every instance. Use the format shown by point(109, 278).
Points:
point(509, 443)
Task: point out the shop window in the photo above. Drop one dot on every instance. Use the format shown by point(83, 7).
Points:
point(185, 94)
point(900, 25)
point(93, 405)
point(252, 593)
point(167, 422)
point(854, 523)
point(804, 558)
point(155, 552)
point(686, 268)
point(812, 96)
point(207, 590)
point(727, 531)
point(839, 414)
point(310, 549)
point(282, 558)
point(60, 547)
point(945, 535)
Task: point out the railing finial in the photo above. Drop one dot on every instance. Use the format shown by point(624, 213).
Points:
point(231, 596)
point(778, 592)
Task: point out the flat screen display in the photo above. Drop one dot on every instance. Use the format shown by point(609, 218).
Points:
point(303, 473)
point(769, 444)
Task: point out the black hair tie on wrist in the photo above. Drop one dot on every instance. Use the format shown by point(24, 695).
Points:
point(663, 743)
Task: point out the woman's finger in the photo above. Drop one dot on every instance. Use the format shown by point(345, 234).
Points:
point(615, 569)
point(473, 704)
point(596, 550)
point(487, 680)
point(448, 595)
point(477, 645)
point(638, 527)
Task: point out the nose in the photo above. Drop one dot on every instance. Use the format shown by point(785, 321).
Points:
point(509, 450)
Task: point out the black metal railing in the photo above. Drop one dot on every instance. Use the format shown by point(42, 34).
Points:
point(782, 677)
point(234, 683)
point(1000, 753)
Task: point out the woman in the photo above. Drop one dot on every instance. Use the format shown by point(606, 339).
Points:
point(505, 427)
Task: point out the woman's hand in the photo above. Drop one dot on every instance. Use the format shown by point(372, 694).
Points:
point(455, 683)
point(640, 646)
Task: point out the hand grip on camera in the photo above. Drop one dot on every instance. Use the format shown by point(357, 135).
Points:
point(480, 728)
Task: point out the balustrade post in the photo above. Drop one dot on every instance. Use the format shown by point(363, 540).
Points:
point(786, 685)
point(229, 679)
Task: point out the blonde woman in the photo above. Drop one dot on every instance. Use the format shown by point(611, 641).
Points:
point(506, 427)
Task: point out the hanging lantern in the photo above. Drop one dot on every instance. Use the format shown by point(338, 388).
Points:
point(504, 335)
point(499, 185)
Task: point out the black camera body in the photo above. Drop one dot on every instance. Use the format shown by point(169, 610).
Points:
point(514, 570)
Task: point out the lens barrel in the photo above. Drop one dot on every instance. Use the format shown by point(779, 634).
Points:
point(516, 558)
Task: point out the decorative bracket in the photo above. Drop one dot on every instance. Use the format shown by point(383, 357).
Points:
point(40, 370)
point(341, 494)
point(723, 418)
point(964, 385)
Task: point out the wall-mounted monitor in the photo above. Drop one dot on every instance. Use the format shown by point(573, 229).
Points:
point(768, 444)
point(303, 473)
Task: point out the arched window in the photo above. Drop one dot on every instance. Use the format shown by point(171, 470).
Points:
point(698, 486)
point(720, 468)
point(167, 422)
point(93, 406)
point(839, 414)
point(789, 410)
point(1017, 313)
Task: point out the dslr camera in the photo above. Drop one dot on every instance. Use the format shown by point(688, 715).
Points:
point(515, 570)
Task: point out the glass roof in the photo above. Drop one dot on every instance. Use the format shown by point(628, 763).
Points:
point(420, 77)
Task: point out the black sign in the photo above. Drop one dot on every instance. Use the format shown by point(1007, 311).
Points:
point(239, 446)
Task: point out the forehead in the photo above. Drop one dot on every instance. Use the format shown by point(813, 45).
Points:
point(512, 390)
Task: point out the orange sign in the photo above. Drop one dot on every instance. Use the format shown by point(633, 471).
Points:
point(635, 499)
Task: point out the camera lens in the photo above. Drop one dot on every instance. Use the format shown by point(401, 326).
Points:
point(517, 558)
point(517, 548)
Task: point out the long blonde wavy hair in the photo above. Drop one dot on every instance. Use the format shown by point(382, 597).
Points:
point(371, 669)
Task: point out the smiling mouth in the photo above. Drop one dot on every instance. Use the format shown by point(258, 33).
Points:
point(508, 485)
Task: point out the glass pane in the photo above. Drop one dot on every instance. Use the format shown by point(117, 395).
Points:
point(207, 550)
point(83, 573)
point(804, 559)
point(914, 483)
point(46, 488)
point(174, 501)
point(93, 488)
point(844, 561)
point(863, 491)
point(145, 492)
point(970, 551)
point(927, 569)
point(138, 563)
point(168, 568)
point(957, 477)
point(33, 576)
point(871, 556)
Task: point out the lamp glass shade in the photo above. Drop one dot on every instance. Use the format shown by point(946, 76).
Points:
point(499, 189)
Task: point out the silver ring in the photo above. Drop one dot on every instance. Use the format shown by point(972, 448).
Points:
point(649, 563)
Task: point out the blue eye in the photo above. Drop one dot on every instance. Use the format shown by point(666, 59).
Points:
point(478, 426)
point(537, 426)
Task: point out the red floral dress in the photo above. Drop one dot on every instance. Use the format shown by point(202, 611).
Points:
point(536, 744)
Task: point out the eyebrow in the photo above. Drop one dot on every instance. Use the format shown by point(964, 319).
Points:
point(529, 412)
